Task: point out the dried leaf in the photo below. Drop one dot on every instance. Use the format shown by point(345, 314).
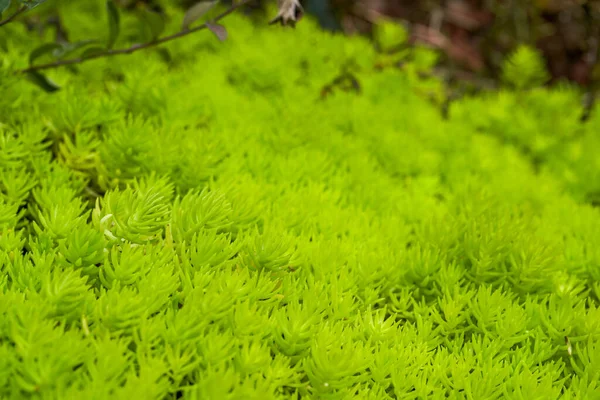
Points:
point(197, 11)
point(219, 30)
point(290, 11)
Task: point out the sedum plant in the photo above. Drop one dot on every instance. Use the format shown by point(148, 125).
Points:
point(288, 215)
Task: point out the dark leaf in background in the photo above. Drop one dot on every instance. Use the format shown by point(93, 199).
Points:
point(91, 51)
point(4, 4)
point(70, 48)
point(113, 23)
point(164, 55)
point(219, 30)
point(196, 12)
point(42, 81)
point(154, 23)
point(42, 50)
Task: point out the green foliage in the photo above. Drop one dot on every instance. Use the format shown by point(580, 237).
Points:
point(114, 21)
point(4, 4)
point(390, 34)
point(137, 214)
point(216, 225)
point(525, 69)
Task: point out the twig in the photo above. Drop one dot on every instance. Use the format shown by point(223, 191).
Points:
point(589, 96)
point(20, 11)
point(437, 19)
point(135, 47)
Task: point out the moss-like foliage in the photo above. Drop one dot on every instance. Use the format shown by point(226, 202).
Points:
point(218, 226)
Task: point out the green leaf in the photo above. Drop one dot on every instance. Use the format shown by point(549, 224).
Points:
point(32, 3)
point(70, 48)
point(154, 22)
point(41, 50)
point(4, 4)
point(42, 81)
point(197, 11)
point(219, 30)
point(390, 34)
point(92, 51)
point(113, 23)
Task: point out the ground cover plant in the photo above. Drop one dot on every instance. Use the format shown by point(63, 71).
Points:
point(288, 215)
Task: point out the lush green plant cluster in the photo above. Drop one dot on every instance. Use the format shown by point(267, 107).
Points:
point(217, 225)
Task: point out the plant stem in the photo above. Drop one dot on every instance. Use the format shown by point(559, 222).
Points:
point(594, 51)
point(20, 11)
point(135, 47)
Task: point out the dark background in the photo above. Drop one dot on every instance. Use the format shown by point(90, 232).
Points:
point(476, 35)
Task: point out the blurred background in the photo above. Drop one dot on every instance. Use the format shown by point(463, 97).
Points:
point(475, 35)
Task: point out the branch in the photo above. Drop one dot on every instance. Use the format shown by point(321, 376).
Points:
point(594, 51)
point(588, 97)
point(20, 11)
point(135, 47)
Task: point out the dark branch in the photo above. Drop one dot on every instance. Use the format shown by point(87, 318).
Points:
point(20, 11)
point(589, 97)
point(135, 47)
